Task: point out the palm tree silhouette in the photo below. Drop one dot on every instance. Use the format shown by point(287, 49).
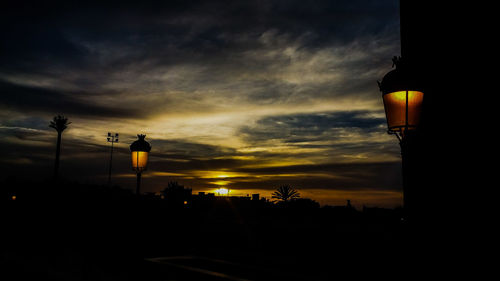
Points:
point(59, 123)
point(285, 193)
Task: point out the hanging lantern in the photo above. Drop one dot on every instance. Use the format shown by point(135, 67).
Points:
point(403, 99)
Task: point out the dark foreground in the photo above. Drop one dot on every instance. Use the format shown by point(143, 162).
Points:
point(105, 235)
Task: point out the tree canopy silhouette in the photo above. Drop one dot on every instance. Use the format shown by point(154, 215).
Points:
point(59, 123)
point(285, 193)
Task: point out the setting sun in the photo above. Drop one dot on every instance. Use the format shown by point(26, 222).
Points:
point(222, 191)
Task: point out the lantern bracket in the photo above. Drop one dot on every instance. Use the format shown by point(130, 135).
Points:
point(400, 137)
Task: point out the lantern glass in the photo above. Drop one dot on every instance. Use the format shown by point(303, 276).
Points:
point(402, 109)
point(139, 160)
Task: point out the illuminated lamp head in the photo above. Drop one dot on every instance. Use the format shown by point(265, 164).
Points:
point(402, 97)
point(140, 150)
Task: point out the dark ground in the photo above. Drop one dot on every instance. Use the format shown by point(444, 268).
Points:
point(76, 232)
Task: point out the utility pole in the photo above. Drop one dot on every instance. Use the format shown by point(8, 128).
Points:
point(112, 138)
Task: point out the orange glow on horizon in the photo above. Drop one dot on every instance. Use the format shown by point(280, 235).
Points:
point(220, 182)
point(214, 174)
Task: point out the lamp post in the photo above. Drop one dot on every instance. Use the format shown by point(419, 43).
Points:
point(112, 138)
point(140, 151)
point(403, 99)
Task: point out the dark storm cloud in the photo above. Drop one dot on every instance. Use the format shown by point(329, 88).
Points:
point(344, 175)
point(31, 122)
point(183, 149)
point(33, 45)
point(233, 46)
point(21, 133)
point(34, 99)
point(298, 128)
point(192, 29)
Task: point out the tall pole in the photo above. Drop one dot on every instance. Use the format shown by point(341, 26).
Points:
point(110, 164)
point(138, 188)
point(404, 140)
point(112, 138)
point(406, 161)
point(410, 139)
point(58, 152)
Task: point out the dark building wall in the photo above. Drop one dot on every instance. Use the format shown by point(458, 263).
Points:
point(433, 36)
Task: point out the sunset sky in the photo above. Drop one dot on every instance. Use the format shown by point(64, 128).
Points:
point(248, 95)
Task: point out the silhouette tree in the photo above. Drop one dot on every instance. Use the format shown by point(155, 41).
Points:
point(176, 194)
point(59, 123)
point(285, 193)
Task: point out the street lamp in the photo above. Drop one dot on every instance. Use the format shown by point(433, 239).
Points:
point(140, 151)
point(403, 99)
point(112, 138)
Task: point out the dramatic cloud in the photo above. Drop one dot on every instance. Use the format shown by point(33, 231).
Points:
point(248, 94)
